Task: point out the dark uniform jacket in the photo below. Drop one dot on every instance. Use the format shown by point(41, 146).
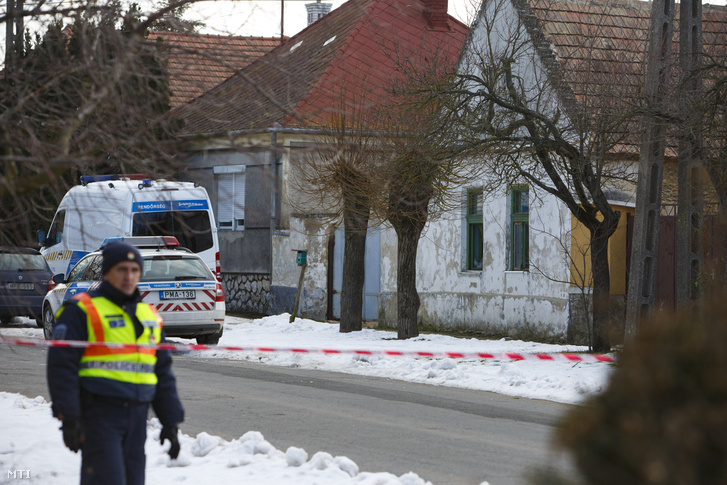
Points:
point(64, 363)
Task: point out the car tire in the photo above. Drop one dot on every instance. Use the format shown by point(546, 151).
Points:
point(48, 320)
point(210, 338)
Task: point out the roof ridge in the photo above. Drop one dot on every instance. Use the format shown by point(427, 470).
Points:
point(636, 4)
point(220, 36)
point(607, 3)
point(545, 49)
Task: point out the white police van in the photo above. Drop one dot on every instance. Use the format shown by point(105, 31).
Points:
point(129, 205)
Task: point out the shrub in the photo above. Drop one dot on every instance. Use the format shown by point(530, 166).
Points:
point(663, 418)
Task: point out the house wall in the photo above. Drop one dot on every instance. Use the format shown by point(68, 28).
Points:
point(581, 253)
point(259, 270)
point(245, 255)
point(308, 226)
point(310, 235)
point(495, 301)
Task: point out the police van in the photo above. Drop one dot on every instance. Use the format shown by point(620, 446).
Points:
point(129, 205)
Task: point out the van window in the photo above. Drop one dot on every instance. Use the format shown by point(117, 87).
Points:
point(55, 233)
point(88, 228)
point(191, 228)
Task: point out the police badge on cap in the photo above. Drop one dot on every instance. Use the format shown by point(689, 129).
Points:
point(118, 252)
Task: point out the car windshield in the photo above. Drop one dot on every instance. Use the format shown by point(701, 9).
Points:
point(175, 268)
point(22, 262)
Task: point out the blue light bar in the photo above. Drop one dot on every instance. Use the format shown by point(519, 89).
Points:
point(86, 179)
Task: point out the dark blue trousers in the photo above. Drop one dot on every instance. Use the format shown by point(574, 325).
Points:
point(113, 451)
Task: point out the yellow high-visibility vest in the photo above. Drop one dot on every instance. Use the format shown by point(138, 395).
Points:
point(107, 322)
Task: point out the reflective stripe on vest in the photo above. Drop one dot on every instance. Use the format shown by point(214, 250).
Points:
point(107, 322)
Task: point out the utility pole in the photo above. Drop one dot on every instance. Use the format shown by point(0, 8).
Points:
point(690, 208)
point(14, 27)
point(645, 246)
point(9, 35)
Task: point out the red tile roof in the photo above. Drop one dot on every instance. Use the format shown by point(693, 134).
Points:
point(600, 47)
point(198, 62)
point(344, 55)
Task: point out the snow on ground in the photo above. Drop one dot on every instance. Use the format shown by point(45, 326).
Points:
point(31, 443)
point(560, 381)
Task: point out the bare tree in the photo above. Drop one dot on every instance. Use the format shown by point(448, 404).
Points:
point(335, 178)
point(424, 170)
point(551, 126)
point(384, 159)
point(88, 93)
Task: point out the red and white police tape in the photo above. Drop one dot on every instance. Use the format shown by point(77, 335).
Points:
point(560, 356)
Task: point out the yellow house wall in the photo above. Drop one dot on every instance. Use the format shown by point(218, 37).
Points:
point(581, 254)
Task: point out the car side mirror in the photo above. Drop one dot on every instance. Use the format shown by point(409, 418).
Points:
point(58, 278)
point(42, 240)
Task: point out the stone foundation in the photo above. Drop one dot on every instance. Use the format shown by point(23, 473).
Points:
point(246, 292)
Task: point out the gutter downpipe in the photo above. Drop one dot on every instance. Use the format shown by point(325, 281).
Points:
point(273, 189)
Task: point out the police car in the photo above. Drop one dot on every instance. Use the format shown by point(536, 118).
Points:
point(174, 280)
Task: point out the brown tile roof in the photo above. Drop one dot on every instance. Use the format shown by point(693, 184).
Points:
point(600, 47)
point(343, 55)
point(198, 62)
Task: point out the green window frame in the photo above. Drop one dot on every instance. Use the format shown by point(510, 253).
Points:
point(475, 230)
point(519, 228)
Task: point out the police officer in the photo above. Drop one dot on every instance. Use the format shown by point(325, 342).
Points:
point(102, 394)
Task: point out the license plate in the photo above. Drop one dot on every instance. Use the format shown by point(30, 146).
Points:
point(21, 286)
point(177, 295)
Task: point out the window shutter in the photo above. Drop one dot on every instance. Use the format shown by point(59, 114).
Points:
point(239, 200)
point(225, 191)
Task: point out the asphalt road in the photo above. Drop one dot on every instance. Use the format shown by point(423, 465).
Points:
point(447, 436)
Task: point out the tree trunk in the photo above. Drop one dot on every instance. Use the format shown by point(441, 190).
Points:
point(721, 246)
point(602, 308)
point(408, 232)
point(355, 223)
point(717, 178)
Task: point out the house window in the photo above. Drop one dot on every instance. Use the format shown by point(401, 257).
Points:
point(519, 228)
point(474, 230)
point(230, 197)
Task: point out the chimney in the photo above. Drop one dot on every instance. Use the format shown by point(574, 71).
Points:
point(317, 10)
point(436, 13)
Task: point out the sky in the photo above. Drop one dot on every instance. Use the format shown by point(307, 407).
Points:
point(30, 438)
point(262, 18)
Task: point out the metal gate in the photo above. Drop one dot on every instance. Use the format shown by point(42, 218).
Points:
point(665, 296)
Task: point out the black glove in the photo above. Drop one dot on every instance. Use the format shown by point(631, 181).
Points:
point(73, 435)
point(170, 433)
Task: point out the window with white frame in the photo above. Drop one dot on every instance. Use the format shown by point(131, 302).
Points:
point(230, 196)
